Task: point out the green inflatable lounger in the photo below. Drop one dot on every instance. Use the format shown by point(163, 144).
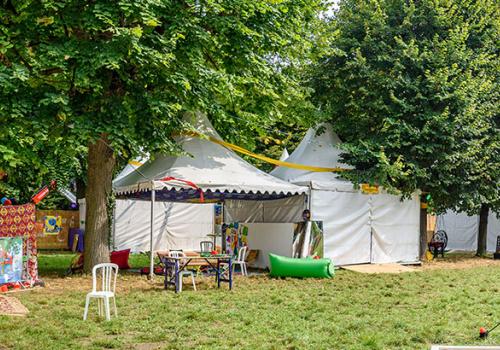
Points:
point(282, 266)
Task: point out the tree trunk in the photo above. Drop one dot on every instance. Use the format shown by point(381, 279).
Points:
point(483, 230)
point(101, 162)
point(423, 228)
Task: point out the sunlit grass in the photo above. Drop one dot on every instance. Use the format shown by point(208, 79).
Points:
point(350, 311)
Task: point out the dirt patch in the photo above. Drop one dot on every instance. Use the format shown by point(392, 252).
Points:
point(12, 307)
point(459, 261)
point(379, 268)
point(149, 346)
point(125, 283)
point(129, 282)
point(78, 283)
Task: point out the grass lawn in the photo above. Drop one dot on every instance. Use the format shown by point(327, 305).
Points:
point(446, 302)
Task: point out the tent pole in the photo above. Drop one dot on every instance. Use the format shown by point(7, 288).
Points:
point(113, 220)
point(151, 258)
point(309, 199)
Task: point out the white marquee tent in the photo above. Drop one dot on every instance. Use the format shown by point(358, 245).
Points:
point(462, 230)
point(358, 227)
point(210, 166)
point(177, 225)
point(219, 173)
point(187, 224)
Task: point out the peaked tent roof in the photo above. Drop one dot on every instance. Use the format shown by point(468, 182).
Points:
point(131, 167)
point(316, 150)
point(284, 154)
point(210, 166)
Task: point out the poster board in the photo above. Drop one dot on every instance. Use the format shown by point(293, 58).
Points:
point(11, 259)
point(276, 238)
point(308, 239)
point(55, 237)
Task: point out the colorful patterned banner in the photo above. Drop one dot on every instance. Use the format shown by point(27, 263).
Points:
point(19, 221)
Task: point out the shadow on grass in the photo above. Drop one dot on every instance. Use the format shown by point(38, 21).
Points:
point(57, 263)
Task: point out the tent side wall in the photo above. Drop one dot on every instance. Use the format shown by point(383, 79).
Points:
point(177, 225)
point(462, 230)
point(346, 225)
point(361, 228)
point(493, 232)
point(395, 228)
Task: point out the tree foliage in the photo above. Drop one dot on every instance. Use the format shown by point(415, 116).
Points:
point(128, 68)
point(413, 89)
point(121, 73)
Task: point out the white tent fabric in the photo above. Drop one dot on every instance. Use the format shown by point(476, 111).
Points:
point(316, 150)
point(183, 223)
point(284, 210)
point(358, 228)
point(284, 154)
point(346, 225)
point(462, 230)
point(395, 228)
point(131, 167)
point(211, 167)
point(207, 164)
point(177, 225)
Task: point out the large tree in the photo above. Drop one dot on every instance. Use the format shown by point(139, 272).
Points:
point(413, 89)
point(116, 76)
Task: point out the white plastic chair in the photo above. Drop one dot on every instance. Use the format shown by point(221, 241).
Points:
point(206, 246)
point(240, 260)
point(107, 272)
point(179, 254)
point(242, 254)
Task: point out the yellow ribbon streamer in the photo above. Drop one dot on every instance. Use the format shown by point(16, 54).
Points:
point(135, 163)
point(264, 158)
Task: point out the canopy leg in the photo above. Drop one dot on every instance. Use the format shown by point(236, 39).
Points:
point(152, 226)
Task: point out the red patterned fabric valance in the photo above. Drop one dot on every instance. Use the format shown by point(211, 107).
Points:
point(17, 220)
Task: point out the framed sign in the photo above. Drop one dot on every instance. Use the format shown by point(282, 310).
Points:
point(11, 259)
